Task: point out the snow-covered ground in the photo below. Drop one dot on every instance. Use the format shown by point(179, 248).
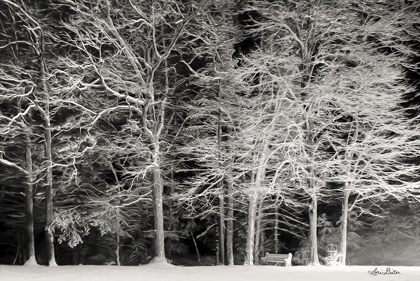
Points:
point(214, 273)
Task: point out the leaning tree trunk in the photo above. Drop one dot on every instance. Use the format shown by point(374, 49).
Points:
point(313, 224)
point(30, 204)
point(344, 223)
point(196, 247)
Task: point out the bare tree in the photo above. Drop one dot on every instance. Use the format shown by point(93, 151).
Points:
point(146, 47)
point(35, 100)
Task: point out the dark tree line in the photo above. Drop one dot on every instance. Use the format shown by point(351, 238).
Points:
point(138, 131)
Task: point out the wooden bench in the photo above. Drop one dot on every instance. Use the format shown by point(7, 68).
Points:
point(278, 258)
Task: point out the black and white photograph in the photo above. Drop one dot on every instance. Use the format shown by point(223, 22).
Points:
point(185, 140)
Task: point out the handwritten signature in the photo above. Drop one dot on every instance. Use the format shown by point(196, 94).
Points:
point(388, 271)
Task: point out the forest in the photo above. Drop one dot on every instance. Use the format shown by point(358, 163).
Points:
point(209, 132)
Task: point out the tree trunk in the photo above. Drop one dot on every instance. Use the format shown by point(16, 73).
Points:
point(344, 223)
point(313, 224)
point(170, 201)
point(258, 232)
point(49, 198)
point(159, 243)
point(313, 214)
point(217, 250)
point(276, 230)
point(30, 205)
point(348, 187)
point(49, 192)
point(221, 188)
point(158, 211)
point(18, 250)
point(229, 223)
point(256, 180)
point(249, 260)
point(117, 217)
point(117, 251)
point(76, 256)
point(48, 154)
point(117, 238)
point(252, 205)
point(170, 216)
point(262, 240)
point(222, 228)
point(196, 247)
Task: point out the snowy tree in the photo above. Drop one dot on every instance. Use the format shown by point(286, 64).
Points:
point(32, 92)
point(148, 47)
point(333, 57)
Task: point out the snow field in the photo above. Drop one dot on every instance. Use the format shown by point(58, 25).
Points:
point(158, 272)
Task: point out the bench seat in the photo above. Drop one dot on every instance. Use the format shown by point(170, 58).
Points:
point(285, 259)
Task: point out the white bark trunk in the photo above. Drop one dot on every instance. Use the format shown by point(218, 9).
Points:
point(276, 230)
point(344, 224)
point(30, 205)
point(249, 260)
point(313, 224)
